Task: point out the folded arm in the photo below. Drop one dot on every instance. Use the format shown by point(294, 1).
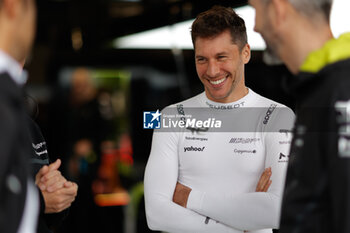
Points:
point(247, 211)
point(160, 180)
point(254, 210)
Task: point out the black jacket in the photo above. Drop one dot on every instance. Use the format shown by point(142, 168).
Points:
point(39, 158)
point(317, 193)
point(14, 150)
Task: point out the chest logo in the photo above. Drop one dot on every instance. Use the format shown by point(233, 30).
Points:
point(191, 148)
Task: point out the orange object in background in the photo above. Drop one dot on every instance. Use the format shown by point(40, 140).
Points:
point(107, 187)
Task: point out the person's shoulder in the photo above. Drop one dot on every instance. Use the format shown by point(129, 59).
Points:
point(337, 75)
point(8, 122)
point(180, 108)
point(3, 73)
point(274, 114)
point(8, 87)
point(263, 101)
point(9, 104)
point(4, 78)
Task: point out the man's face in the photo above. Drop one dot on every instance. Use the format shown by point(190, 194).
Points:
point(26, 22)
point(263, 23)
point(220, 67)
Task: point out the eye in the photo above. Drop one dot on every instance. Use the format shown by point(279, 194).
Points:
point(201, 60)
point(222, 57)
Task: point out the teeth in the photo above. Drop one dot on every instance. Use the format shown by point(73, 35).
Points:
point(217, 81)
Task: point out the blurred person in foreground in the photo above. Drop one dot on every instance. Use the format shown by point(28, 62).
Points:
point(206, 179)
point(19, 200)
point(316, 197)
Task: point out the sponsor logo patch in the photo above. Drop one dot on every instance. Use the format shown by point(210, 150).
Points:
point(196, 138)
point(225, 107)
point(268, 113)
point(191, 148)
point(244, 140)
point(241, 152)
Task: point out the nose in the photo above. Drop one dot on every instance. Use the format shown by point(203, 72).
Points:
point(213, 69)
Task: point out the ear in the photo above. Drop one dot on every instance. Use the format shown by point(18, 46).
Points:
point(279, 10)
point(246, 53)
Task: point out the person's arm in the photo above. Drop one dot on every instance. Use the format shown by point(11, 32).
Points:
point(255, 210)
point(182, 192)
point(56, 193)
point(161, 175)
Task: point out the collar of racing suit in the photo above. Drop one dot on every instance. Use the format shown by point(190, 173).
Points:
point(333, 51)
point(311, 75)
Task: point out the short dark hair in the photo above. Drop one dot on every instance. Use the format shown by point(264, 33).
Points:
point(217, 20)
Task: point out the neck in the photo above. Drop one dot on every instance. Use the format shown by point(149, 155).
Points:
point(303, 40)
point(8, 40)
point(239, 94)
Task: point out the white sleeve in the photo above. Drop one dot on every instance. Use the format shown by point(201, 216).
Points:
point(256, 210)
point(161, 175)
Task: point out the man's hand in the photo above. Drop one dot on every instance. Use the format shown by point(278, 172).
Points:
point(60, 199)
point(58, 193)
point(264, 182)
point(49, 178)
point(181, 194)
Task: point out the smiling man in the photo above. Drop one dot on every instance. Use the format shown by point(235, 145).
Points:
point(205, 178)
